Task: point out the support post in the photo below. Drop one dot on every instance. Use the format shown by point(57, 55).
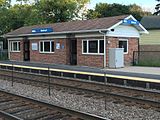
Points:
point(12, 73)
point(148, 85)
point(104, 51)
point(49, 87)
point(125, 82)
point(105, 78)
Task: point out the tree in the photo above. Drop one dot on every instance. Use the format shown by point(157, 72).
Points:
point(157, 8)
point(59, 10)
point(138, 12)
point(106, 10)
point(32, 12)
point(5, 3)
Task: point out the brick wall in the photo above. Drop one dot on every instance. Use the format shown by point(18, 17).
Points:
point(86, 59)
point(97, 60)
point(18, 56)
point(58, 57)
point(61, 56)
point(132, 46)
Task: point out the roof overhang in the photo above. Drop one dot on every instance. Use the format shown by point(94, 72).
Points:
point(139, 26)
point(55, 33)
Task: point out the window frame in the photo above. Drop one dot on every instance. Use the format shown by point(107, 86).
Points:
point(43, 46)
point(18, 46)
point(87, 53)
point(127, 44)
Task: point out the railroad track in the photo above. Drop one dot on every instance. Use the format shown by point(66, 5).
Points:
point(119, 94)
point(16, 107)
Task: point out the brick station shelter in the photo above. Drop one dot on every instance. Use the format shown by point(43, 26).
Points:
point(82, 43)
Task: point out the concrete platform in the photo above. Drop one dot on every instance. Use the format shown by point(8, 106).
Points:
point(138, 69)
point(140, 72)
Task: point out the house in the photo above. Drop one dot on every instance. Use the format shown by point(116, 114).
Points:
point(82, 43)
point(151, 41)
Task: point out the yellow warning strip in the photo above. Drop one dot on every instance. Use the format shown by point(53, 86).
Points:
point(89, 73)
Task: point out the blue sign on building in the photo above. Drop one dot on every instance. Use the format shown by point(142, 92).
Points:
point(131, 22)
point(42, 30)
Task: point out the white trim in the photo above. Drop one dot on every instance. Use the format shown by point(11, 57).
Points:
point(92, 53)
point(127, 44)
point(46, 37)
point(82, 35)
point(125, 36)
point(11, 46)
point(17, 38)
point(43, 46)
point(130, 16)
point(87, 53)
point(81, 31)
point(117, 24)
point(56, 33)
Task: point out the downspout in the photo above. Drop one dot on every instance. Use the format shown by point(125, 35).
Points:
point(104, 35)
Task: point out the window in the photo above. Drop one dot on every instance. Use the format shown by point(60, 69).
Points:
point(124, 44)
point(15, 46)
point(93, 46)
point(101, 46)
point(46, 46)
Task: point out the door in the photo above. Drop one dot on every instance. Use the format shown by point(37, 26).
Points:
point(26, 50)
point(73, 51)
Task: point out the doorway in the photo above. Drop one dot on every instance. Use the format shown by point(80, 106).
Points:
point(26, 50)
point(73, 51)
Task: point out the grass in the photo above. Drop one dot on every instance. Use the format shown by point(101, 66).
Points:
point(149, 63)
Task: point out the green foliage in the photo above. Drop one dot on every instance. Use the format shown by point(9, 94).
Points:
point(107, 10)
point(157, 8)
point(60, 10)
point(5, 3)
point(31, 12)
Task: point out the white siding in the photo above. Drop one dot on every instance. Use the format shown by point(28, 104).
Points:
point(124, 31)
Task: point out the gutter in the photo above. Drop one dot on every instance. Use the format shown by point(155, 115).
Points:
point(54, 33)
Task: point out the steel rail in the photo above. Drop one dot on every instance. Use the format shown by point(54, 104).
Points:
point(140, 100)
point(83, 115)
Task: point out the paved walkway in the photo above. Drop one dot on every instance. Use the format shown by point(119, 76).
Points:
point(143, 72)
point(135, 69)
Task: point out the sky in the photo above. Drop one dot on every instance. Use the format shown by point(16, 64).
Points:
point(148, 5)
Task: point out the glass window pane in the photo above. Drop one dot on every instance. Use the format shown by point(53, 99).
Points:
point(11, 44)
point(14, 46)
point(101, 46)
point(84, 46)
point(123, 44)
point(46, 46)
point(52, 46)
point(41, 46)
point(19, 46)
point(93, 46)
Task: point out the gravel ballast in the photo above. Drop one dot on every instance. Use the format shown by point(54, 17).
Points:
point(78, 102)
